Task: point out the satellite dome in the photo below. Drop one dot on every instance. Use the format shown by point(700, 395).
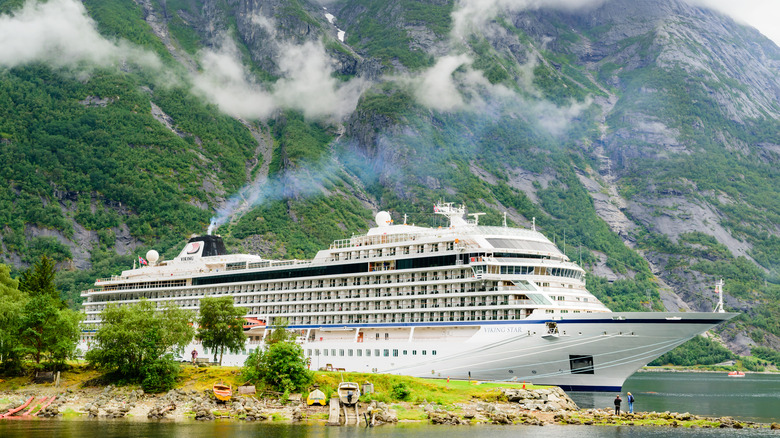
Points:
point(152, 256)
point(383, 219)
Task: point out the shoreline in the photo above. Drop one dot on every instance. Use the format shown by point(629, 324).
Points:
point(547, 407)
point(672, 369)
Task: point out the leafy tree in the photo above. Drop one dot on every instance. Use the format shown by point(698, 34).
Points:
point(47, 328)
point(221, 325)
point(282, 366)
point(280, 332)
point(135, 341)
point(12, 301)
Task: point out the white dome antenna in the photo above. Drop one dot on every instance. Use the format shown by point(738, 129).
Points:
point(383, 219)
point(152, 256)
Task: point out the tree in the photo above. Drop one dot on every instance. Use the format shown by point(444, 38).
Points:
point(12, 301)
point(46, 327)
point(137, 340)
point(221, 326)
point(280, 332)
point(282, 366)
point(39, 280)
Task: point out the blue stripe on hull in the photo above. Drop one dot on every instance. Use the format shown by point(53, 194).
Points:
point(587, 388)
point(507, 322)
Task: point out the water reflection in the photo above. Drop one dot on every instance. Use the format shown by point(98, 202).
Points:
point(130, 429)
point(755, 397)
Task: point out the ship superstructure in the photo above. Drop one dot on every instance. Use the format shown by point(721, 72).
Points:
point(460, 301)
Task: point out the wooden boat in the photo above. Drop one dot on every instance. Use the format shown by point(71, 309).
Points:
point(222, 392)
point(349, 392)
point(316, 397)
point(736, 374)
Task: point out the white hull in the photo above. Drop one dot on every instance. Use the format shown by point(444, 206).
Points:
point(618, 343)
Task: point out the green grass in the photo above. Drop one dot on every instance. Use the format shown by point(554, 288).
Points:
point(422, 390)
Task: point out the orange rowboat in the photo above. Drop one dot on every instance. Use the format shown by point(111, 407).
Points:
point(222, 392)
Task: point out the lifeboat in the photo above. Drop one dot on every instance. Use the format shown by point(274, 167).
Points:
point(316, 397)
point(736, 374)
point(222, 392)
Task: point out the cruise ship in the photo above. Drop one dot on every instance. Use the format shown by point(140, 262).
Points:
point(464, 301)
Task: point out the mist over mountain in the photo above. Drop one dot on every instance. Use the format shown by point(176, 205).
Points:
point(642, 135)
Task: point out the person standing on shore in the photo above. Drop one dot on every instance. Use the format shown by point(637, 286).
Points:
point(630, 399)
point(194, 355)
point(617, 404)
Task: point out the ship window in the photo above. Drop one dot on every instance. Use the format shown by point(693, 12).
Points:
point(414, 352)
point(405, 353)
point(316, 352)
point(333, 352)
point(376, 352)
point(581, 364)
point(359, 352)
point(308, 352)
point(387, 336)
point(395, 353)
point(368, 352)
point(433, 352)
point(349, 352)
point(377, 336)
point(386, 352)
point(324, 352)
point(341, 352)
point(424, 352)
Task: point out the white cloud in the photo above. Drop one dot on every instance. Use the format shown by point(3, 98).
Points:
point(61, 33)
point(264, 24)
point(436, 87)
point(306, 85)
point(764, 15)
point(224, 82)
point(469, 16)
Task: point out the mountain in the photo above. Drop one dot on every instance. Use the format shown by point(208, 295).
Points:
point(642, 136)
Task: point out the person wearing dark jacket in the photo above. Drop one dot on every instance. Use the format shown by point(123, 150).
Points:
point(617, 404)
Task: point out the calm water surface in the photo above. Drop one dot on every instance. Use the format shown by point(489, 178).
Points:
point(755, 397)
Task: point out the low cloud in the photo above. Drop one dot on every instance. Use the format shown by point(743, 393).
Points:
point(61, 34)
point(472, 16)
point(453, 84)
point(307, 83)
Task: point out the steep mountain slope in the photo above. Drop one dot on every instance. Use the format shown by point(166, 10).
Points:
point(642, 136)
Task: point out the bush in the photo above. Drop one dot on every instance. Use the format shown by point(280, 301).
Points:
point(160, 375)
point(401, 391)
point(282, 367)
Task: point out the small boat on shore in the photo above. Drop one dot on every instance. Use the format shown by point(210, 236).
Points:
point(736, 374)
point(316, 397)
point(222, 392)
point(349, 393)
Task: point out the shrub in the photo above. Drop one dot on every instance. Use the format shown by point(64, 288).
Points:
point(401, 391)
point(160, 375)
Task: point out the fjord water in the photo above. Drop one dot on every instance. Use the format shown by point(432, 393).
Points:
point(124, 428)
point(755, 397)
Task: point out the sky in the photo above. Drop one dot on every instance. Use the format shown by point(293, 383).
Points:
point(764, 15)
